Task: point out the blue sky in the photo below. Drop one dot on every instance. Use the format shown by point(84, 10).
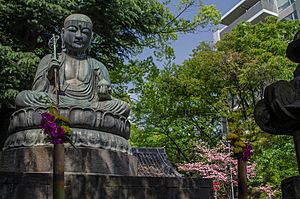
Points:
point(186, 43)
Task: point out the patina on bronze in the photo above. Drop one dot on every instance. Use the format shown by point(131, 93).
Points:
point(279, 112)
point(83, 81)
point(84, 96)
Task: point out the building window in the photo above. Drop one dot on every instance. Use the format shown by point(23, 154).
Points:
point(292, 16)
point(283, 4)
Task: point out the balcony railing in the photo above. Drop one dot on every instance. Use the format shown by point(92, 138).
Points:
point(256, 13)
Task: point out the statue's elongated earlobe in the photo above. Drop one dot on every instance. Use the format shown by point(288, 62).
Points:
point(90, 46)
point(63, 47)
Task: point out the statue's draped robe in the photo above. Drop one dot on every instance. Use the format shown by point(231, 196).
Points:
point(81, 93)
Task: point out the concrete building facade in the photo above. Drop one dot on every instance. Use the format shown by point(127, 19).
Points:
point(254, 11)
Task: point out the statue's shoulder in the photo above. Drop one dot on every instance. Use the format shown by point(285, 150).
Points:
point(43, 65)
point(47, 58)
point(96, 64)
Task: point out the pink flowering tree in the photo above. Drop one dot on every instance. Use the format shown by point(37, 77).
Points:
point(217, 163)
point(266, 191)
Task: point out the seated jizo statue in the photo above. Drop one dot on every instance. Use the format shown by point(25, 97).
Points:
point(96, 118)
point(83, 81)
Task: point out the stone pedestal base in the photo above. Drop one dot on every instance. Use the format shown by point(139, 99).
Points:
point(290, 188)
point(82, 160)
point(91, 186)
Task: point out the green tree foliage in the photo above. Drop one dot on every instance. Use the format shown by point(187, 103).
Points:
point(157, 123)
point(15, 67)
point(172, 108)
point(192, 100)
point(264, 44)
point(275, 160)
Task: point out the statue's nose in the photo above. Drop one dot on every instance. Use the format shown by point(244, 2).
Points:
point(78, 34)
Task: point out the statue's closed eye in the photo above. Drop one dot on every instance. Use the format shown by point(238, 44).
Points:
point(86, 31)
point(72, 29)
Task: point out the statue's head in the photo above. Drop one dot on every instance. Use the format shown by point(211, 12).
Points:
point(77, 32)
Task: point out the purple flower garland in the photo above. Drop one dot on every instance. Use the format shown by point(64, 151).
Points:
point(55, 132)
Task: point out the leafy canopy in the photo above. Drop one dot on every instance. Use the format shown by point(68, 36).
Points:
point(215, 92)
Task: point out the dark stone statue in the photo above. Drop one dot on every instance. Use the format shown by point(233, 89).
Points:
point(84, 96)
point(279, 111)
point(83, 81)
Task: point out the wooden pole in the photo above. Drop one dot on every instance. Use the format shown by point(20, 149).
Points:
point(242, 179)
point(58, 171)
point(58, 150)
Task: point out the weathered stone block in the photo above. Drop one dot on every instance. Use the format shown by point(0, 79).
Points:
point(290, 188)
point(82, 160)
point(90, 186)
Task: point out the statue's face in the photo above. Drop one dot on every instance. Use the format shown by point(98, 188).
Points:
point(77, 36)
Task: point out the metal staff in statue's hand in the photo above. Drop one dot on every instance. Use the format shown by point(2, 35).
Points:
point(53, 75)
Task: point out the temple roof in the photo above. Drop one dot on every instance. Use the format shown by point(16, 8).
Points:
point(154, 162)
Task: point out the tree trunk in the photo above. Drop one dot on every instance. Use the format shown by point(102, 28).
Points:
point(242, 179)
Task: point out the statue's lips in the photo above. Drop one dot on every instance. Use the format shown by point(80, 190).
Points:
point(78, 42)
